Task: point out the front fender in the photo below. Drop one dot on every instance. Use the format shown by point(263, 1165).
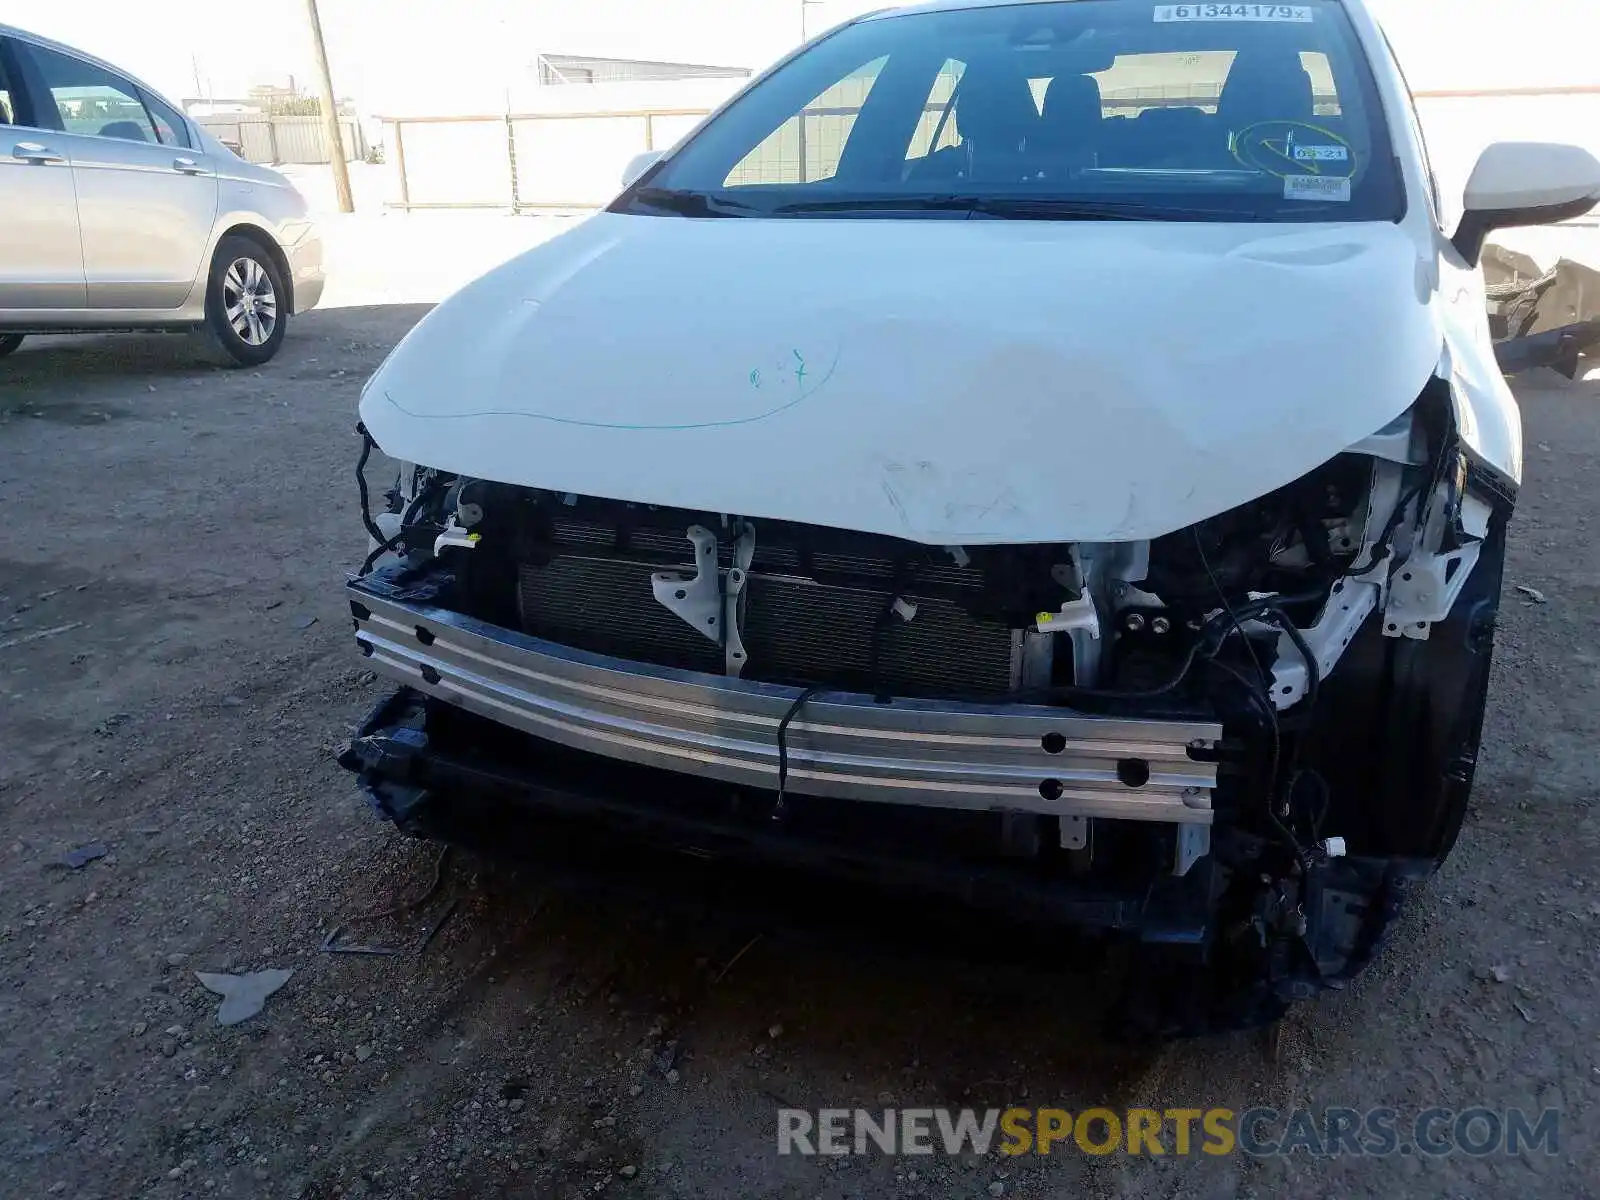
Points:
point(1488, 419)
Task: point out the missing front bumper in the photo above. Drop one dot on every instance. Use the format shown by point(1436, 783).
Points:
point(438, 771)
point(1014, 758)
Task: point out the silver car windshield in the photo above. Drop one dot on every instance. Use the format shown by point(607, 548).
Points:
point(1100, 109)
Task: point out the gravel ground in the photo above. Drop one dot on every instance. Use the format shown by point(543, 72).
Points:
point(176, 673)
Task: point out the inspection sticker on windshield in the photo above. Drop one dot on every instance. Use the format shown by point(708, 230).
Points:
point(1297, 13)
point(1321, 154)
point(1315, 187)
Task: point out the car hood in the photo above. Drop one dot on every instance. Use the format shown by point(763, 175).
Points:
point(943, 381)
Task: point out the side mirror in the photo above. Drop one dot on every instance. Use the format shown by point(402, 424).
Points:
point(638, 165)
point(1525, 183)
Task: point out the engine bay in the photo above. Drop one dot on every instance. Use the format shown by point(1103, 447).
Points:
point(1335, 633)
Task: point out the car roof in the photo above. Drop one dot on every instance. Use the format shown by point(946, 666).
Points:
point(37, 39)
point(950, 5)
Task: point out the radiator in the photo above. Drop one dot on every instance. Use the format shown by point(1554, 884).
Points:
point(796, 630)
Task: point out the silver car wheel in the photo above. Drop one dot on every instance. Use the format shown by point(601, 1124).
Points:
point(250, 301)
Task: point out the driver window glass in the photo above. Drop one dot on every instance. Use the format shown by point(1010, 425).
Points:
point(8, 111)
point(91, 100)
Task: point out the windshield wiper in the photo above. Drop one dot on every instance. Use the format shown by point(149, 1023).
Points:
point(880, 203)
point(691, 204)
point(1025, 208)
point(1043, 209)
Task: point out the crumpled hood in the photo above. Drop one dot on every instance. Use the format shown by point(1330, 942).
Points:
point(949, 382)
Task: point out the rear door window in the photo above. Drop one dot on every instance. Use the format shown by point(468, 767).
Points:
point(170, 127)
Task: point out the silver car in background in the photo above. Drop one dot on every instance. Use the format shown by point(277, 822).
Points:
point(117, 211)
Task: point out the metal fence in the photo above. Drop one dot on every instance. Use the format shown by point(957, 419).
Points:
point(574, 160)
point(262, 138)
point(523, 160)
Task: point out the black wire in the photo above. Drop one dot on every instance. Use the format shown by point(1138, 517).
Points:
point(1324, 796)
point(1171, 685)
point(1256, 607)
point(1313, 672)
point(1227, 606)
point(1257, 692)
point(385, 545)
point(783, 748)
point(1261, 693)
point(367, 445)
point(1394, 523)
point(379, 551)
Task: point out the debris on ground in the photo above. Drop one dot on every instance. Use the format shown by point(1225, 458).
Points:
point(1532, 593)
point(730, 963)
point(1538, 317)
point(84, 855)
point(666, 1058)
point(332, 945)
point(243, 996)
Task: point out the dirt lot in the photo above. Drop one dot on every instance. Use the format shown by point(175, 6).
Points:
point(176, 672)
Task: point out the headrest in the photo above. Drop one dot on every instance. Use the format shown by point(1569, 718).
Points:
point(128, 131)
point(1266, 88)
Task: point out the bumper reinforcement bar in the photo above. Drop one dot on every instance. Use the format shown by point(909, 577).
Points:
point(1022, 758)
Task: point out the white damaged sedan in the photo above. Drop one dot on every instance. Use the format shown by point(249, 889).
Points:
point(1047, 452)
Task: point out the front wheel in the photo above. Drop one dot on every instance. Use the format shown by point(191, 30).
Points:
point(246, 303)
point(9, 342)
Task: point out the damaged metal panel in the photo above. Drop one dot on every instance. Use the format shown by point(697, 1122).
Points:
point(1541, 318)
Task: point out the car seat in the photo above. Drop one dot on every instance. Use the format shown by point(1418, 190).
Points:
point(1265, 87)
point(128, 131)
point(1068, 132)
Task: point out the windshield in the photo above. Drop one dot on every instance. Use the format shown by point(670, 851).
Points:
point(1097, 109)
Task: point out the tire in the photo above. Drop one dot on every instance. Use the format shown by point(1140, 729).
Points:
point(247, 303)
point(9, 342)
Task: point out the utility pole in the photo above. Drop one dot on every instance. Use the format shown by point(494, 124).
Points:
point(330, 114)
point(805, 4)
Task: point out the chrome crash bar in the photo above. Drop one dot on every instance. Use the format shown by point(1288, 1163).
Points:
point(1021, 758)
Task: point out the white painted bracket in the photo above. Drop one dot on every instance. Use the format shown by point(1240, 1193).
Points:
point(1194, 843)
point(1074, 832)
point(1424, 589)
point(697, 601)
point(744, 552)
point(1349, 604)
point(1080, 621)
point(454, 535)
